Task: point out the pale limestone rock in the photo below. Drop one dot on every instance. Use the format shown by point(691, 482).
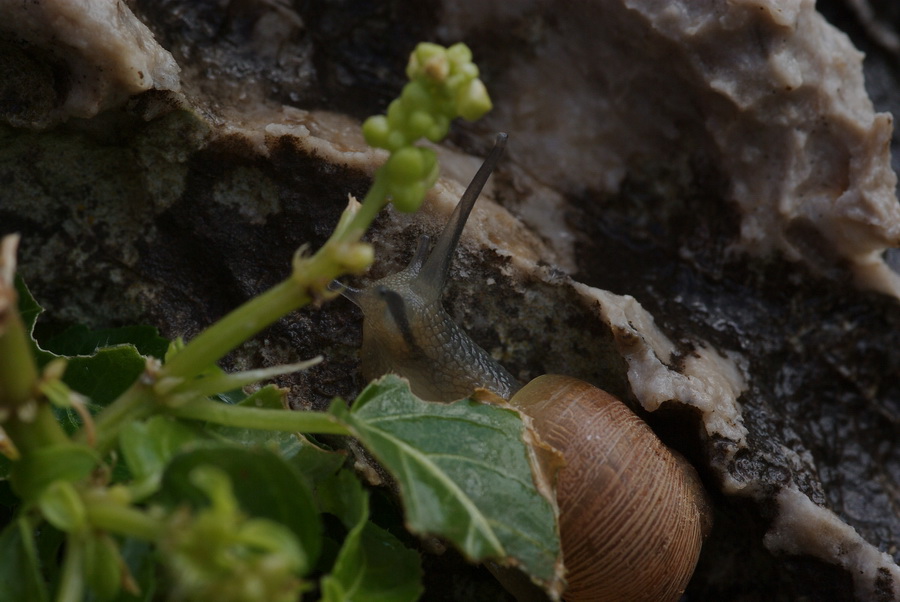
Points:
point(110, 54)
point(768, 91)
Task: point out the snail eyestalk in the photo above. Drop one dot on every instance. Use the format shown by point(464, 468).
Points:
point(436, 267)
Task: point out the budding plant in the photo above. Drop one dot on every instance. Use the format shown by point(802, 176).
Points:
point(141, 468)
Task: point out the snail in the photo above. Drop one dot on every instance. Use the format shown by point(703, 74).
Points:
point(633, 513)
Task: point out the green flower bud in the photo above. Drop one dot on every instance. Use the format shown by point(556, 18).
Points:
point(455, 82)
point(416, 96)
point(469, 70)
point(440, 128)
point(459, 54)
point(409, 198)
point(406, 165)
point(428, 61)
point(357, 256)
point(396, 140)
point(396, 114)
point(218, 553)
point(472, 100)
point(431, 168)
point(277, 539)
point(376, 130)
point(418, 124)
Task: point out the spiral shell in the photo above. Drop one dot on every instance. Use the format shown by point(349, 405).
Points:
point(633, 513)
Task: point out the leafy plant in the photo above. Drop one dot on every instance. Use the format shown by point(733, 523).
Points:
point(132, 469)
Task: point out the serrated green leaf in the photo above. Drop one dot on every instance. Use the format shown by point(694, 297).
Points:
point(20, 575)
point(101, 364)
point(29, 309)
point(463, 472)
point(372, 564)
point(264, 484)
point(101, 378)
point(269, 397)
point(80, 340)
point(343, 496)
point(105, 375)
point(375, 566)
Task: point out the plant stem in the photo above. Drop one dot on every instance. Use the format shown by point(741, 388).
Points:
point(136, 403)
point(295, 292)
point(71, 582)
point(123, 520)
point(374, 201)
point(18, 372)
point(309, 279)
point(259, 418)
point(235, 328)
point(33, 434)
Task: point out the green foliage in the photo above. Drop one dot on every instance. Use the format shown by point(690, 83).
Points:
point(50, 464)
point(372, 564)
point(217, 552)
point(463, 472)
point(20, 571)
point(151, 475)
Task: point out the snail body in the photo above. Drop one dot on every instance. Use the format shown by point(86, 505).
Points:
point(633, 513)
point(407, 331)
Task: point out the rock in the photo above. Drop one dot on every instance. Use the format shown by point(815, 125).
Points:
point(694, 212)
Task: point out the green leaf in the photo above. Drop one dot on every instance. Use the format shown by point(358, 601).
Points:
point(141, 561)
point(313, 462)
point(101, 364)
point(463, 472)
point(29, 309)
point(20, 575)
point(268, 397)
point(343, 496)
point(80, 340)
point(149, 445)
point(106, 374)
point(264, 484)
point(372, 564)
point(41, 467)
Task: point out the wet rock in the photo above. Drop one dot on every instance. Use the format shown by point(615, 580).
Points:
point(695, 212)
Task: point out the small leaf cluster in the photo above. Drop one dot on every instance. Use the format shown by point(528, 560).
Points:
point(236, 513)
point(443, 85)
point(219, 553)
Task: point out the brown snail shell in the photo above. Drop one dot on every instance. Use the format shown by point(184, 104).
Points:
point(633, 514)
